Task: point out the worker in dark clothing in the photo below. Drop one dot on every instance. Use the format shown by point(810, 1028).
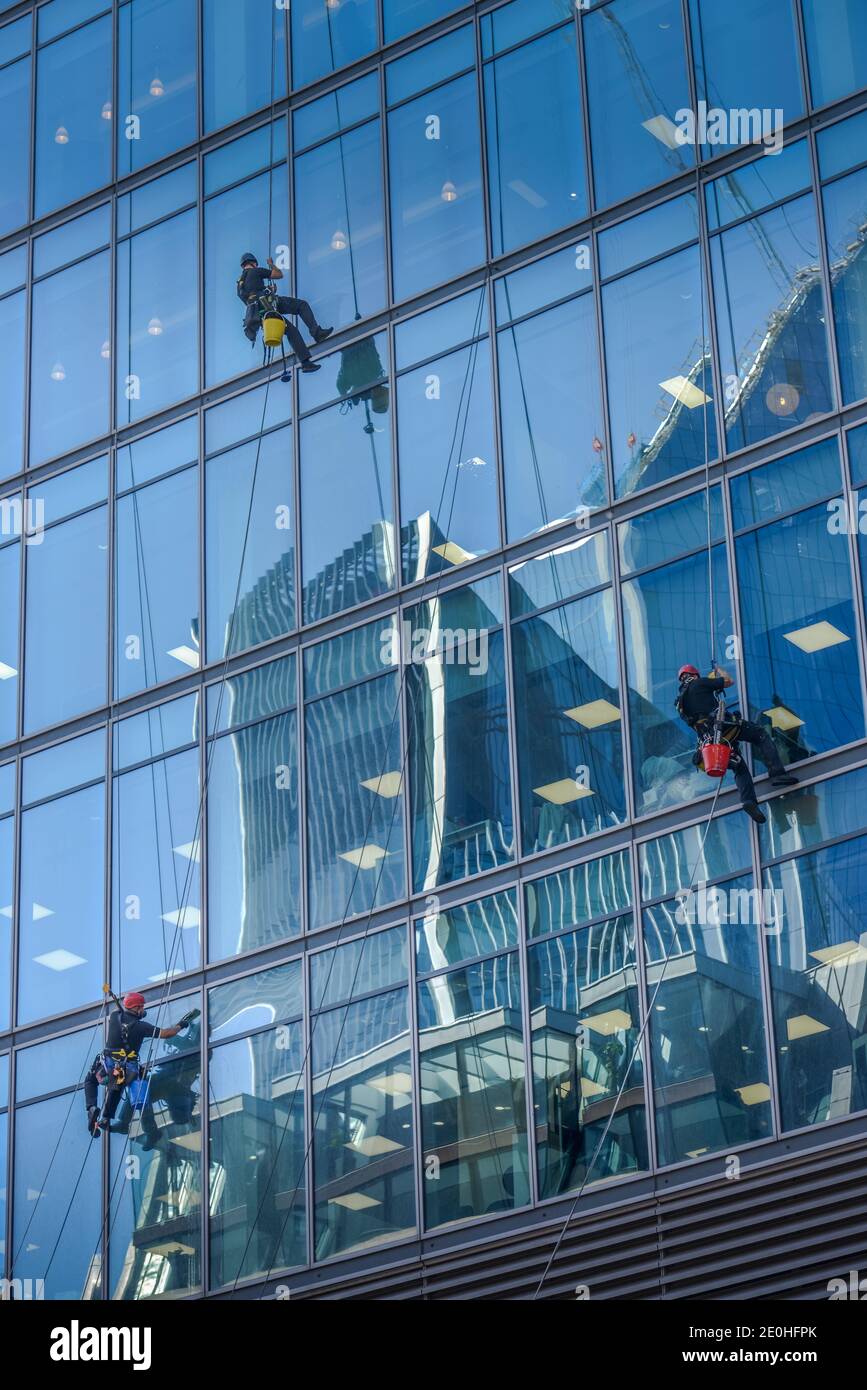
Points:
point(255, 290)
point(698, 704)
point(118, 1063)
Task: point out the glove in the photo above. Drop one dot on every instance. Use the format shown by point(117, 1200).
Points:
point(188, 1018)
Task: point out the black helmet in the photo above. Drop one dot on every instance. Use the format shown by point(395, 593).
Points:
point(248, 256)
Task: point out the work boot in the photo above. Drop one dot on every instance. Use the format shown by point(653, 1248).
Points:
point(92, 1118)
point(754, 813)
point(783, 779)
point(311, 366)
point(286, 376)
point(148, 1142)
point(320, 334)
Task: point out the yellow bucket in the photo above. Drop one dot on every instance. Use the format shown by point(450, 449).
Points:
point(272, 330)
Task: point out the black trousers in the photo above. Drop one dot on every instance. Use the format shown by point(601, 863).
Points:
point(286, 304)
point(760, 740)
point(91, 1091)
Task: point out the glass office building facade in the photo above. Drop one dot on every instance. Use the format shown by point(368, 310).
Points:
point(342, 710)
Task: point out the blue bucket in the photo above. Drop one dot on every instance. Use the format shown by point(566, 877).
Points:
point(137, 1092)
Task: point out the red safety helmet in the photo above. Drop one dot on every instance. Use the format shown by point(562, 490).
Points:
point(133, 1001)
point(687, 671)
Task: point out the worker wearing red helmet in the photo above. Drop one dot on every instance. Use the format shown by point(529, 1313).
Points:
point(697, 704)
point(118, 1063)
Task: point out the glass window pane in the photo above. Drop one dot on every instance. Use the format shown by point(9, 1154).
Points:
point(248, 154)
point(60, 15)
point(66, 620)
point(156, 916)
point(70, 358)
point(436, 194)
point(570, 569)
point(60, 963)
point(664, 532)
point(355, 802)
point(403, 16)
point(584, 1013)
point(757, 186)
point(363, 1140)
point(543, 282)
point(255, 1000)
point(845, 227)
point(156, 583)
point(568, 723)
point(68, 492)
point(799, 635)
point(257, 1154)
point(347, 537)
point(649, 235)
point(632, 122)
point(817, 983)
point(363, 651)
point(763, 74)
point(253, 601)
point(786, 484)
point(598, 888)
point(62, 766)
point(327, 37)
point(41, 1203)
point(155, 200)
point(551, 414)
point(351, 374)
point(156, 731)
point(7, 853)
point(152, 454)
point(837, 47)
point(813, 814)
point(244, 47)
point(267, 689)
point(339, 232)
point(10, 586)
point(535, 140)
point(463, 933)
point(841, 146)
point(73, 139)
point(253, 863)
point(157, 317)
point(707, 1031)
point(156, 80)
point(770, 310)
point(373, 961)
point(473, 1091)
point(426, 335)
point(660, 382)
point(695, 855)
point(15, 156)
point(72, 240)
point(15, 38)
point(337, 110)
point(246, 416)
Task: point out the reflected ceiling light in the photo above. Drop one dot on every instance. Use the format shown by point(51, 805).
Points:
point(183, 917)
point(155, 327)
point(696, 1153)
point(594, 714)
point(703, 1028)
point(590, 1088)
point(190, 851)
point(58, 372)
point(106, 111)
point(185, 654)
point(453, 553)
point(816, 637)
point(105, 350)
point(388, 785)
point(7, 672)
point(332, 4)
point(37, 912)
point(845, 951)
point(783, 399)
point(61, 135)
point(397, 1084)
point(365, 858)
point(562, 792)
point(375, 1145)
point(448, 192)
point(339, 241)
point(529, 194)
point(6, 911)
point(354, 1201)
point(170, 1247)
point(59, 960)
point(156, 88)
point(614, 1021)
point(573, 195)
point(685, 392)
point(782, 718)
point(664, 130)
point(756, 1094)
point(803, 1026)
point(193, 1141)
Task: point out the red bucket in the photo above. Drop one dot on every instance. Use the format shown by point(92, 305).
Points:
point(715, 757)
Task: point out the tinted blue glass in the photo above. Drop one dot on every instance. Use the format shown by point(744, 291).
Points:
point(156, 855)
point(347, 547)
point(426, 335)
point(649, 235)
point(426, 66)
point(155, 200)
point(340, 236)
point(761, 75)
point(63, 766)
point(255, 1000)
point(12, 318)
point(551, 414)
point(786, 484)
point(48, 1201)
point(244, 57)
point(245, 416)
point(799, 634)
point(549, 578)
point(7, 787)
point(363, 364)
point(157, 317)
point(15, 38)
point(234, 222)
point(337, 111)
point(837, 47)
point(15, 153)
point(599, 888)
point(822, 812)
point(841, 146)
point(59, 15)
point(402, 16)
point(13, 269)
point(511, 24)
point(363, 651)
point(754, 187)
point(66, 620)
point(10, 567)
point(251, 695)
point(157, 453)
point(72, 240)
point(69, 358)
point(770, 312)
point(660, 383)
point(435, 182)
point(7, 861)
point(846, 230)
point(535, 140)
point(358, 967)
point(247, 155)
point(857, 445)
point(250, 544)
point(156, 80)
point(448, 471)
point(327, 37)
point(73, 139)
point(661, 534)
point(60, 927)
point(155, 731)
point(254, 863)
point(633, 123)
point(157, 583)
point(463, 933)
point(671, 862)
point(72, 490)
point(543, 282)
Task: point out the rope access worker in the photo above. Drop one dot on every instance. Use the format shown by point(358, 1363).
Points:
point(700, 705)
point(256, 290)
point(118, 1064)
